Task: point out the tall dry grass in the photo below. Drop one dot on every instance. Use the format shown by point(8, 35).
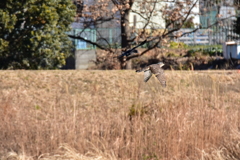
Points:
point(115, 115)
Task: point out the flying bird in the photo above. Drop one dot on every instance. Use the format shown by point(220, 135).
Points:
point(132, 50)
point(155, 69)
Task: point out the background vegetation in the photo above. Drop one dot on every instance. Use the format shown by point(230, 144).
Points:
point(33, 33)
point(115, 115)
point(154, 22)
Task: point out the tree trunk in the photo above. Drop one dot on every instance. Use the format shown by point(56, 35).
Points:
point(129, 64)
point(125, 34)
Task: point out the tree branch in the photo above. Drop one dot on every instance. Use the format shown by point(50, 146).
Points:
point(90, 42)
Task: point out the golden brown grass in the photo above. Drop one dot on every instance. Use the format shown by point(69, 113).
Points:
point(87, 115)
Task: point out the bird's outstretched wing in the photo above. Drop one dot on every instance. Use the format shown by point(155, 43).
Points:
point(161, 77)
point(132, 50)
point(147, 75)
point(159, 73)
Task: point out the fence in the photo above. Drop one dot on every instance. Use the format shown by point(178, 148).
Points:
point(111, 37)
point(199, 37)
point(102, 36)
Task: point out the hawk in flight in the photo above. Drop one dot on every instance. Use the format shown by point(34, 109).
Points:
point(155, 69)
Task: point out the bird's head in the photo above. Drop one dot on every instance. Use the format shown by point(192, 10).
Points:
point(161, 64)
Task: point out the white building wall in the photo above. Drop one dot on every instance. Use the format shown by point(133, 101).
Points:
point(196, 15)
point(157, 22)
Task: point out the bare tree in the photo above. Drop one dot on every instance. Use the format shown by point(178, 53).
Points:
point(152, 14)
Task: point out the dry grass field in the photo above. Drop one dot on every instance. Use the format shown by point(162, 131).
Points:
point(110, 115)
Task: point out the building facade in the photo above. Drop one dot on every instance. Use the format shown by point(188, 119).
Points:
point(219, 17)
